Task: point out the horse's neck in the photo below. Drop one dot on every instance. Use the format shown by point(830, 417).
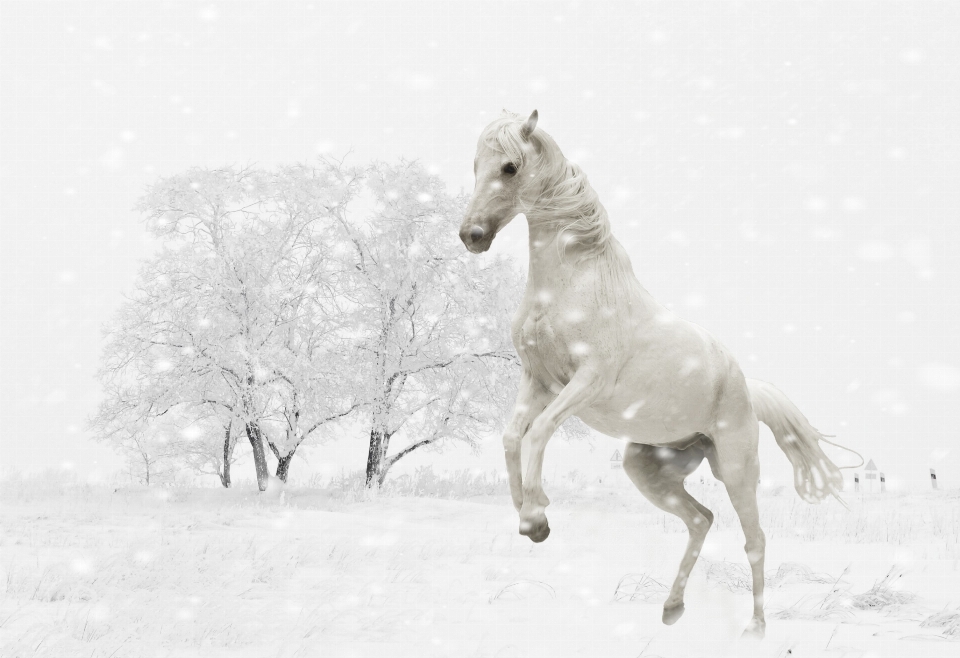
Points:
point(554, 271)
point(552, 265)
point(546, 262)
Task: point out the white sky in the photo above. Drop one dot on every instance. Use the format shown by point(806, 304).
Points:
point(783, 174)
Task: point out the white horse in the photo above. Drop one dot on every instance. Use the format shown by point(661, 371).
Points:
point(595, 344)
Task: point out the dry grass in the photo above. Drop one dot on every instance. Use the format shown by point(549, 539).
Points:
point(839, 604)
point(948, 620)
point(885, 594)
point(790, 573)
point(523, 590)
point(734, 576)
point(640, 587)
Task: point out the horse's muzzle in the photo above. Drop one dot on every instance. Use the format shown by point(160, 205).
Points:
point(475, 239)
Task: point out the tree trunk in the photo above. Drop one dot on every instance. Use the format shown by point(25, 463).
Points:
point(383, 472)
point(259, 456)
point(227, 453)
point(283, 465)
point(379, 441)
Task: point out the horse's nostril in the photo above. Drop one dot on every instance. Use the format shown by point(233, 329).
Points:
point(476, 233)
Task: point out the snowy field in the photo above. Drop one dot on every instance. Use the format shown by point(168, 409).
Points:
point(90, 571)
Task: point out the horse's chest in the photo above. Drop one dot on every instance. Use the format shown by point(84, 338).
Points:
point(549, 349)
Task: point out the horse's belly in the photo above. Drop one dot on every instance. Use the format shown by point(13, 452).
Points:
point(647, 429)
point(659, 413)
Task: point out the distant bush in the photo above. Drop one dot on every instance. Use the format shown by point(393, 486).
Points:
point(16, 486)
point(424, 482)
point(890, 518)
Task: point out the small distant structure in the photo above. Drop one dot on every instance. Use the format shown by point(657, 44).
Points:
point(933, 478)
point(883, 483)
point(870, 473)
point(616, 461)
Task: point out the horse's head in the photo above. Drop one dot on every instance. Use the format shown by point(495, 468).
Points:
point(503, 167)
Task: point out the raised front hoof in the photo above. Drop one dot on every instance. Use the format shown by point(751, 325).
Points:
point(755, 630)
point(537, 531)
point(671, 615)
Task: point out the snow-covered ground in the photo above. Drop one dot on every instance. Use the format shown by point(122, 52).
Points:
point(90, 571)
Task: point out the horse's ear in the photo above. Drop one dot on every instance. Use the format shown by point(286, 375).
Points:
point(527, 129)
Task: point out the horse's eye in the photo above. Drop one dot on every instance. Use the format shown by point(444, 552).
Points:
point(510, 169)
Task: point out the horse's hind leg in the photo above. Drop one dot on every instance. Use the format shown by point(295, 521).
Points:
point(658, 473)
point(739, 465)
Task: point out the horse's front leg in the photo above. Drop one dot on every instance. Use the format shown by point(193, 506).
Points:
point(532, 399)
point(578, 394)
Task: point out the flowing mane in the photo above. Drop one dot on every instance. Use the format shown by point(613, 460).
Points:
point(567, 201)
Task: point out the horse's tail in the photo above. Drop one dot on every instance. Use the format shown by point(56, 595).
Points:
point(814, 475)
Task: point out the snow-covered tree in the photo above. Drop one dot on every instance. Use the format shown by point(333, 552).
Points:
point(141, 436)
point(432, 323)
point(209, 443)
point(232, 313)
